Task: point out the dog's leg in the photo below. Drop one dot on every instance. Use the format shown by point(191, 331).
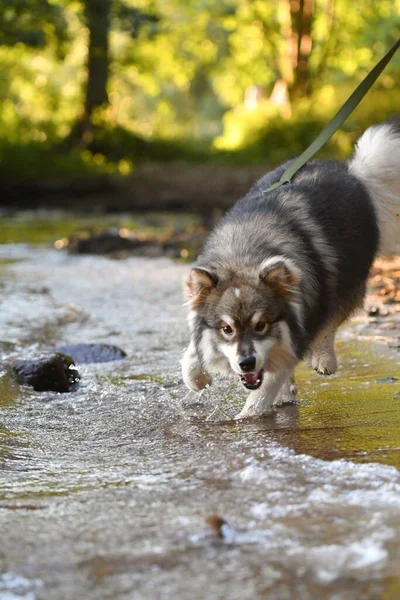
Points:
point(287, 393)
point(261, 401)
point(323, 357)
point(194, 375)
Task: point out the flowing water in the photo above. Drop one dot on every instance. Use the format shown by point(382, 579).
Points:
point(105, 491)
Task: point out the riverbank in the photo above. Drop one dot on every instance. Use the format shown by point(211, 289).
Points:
point(172, 186)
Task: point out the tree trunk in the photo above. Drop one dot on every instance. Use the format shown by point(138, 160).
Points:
point(97, 17)
point(301, 15)
point(97, 14)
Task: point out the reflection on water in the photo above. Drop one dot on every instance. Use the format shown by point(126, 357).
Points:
point(104, 492)
point(9, 389)
point(356, 413)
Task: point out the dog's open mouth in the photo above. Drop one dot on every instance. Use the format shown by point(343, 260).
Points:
point(252, 381)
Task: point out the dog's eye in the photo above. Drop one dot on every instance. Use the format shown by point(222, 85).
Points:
point(261, 327)
point(227, 329)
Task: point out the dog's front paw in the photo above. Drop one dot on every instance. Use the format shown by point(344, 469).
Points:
point(287, 393)
point(242, 415)
point(285, 397)
point(197, 380)
point(252, 412)
point(324, 363)
point(194, 375)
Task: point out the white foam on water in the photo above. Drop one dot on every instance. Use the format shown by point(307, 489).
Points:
point(330, 562)
point(16, 587)
point(358, 503)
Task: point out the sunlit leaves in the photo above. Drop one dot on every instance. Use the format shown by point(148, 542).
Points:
point(185, 69)
point(31, 22)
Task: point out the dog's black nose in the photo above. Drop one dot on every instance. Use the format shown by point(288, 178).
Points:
point(247, 363)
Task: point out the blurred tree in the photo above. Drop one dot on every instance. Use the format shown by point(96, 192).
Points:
point(98, 17)
point(300, 42)
point(301, 16)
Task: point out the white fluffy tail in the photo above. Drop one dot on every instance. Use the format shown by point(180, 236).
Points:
point(376, 162)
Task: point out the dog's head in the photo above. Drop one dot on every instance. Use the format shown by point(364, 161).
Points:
point(239, 316)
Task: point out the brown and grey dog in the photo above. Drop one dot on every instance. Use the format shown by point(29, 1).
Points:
point(283, 269)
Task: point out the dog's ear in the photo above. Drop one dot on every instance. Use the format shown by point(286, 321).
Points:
point(199, 284)
point(280, 274)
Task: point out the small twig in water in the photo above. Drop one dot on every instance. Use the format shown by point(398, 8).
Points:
point(216, 523)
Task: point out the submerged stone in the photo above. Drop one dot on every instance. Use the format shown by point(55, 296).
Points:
point(48, 371)
point(92, 353)
point(106, 242)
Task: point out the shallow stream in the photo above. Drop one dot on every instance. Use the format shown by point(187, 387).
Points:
point(105, 491)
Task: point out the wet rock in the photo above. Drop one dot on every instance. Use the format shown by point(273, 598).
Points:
point(120, 243)
point(48, 371)
point(106, 242)
point(92, 353)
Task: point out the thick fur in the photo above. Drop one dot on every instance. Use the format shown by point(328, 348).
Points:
point(283, 269)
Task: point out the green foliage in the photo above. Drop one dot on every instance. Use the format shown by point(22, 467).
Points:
point(34, 160)
point(266, 137)
point(181, 80)
point(31, 22)
point(117, 143)
point(132, 19)
point(113, 151)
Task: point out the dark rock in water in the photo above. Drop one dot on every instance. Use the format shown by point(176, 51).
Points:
point(92, 353)
point(48, 371)
point(105, 242)
point(120, 243)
